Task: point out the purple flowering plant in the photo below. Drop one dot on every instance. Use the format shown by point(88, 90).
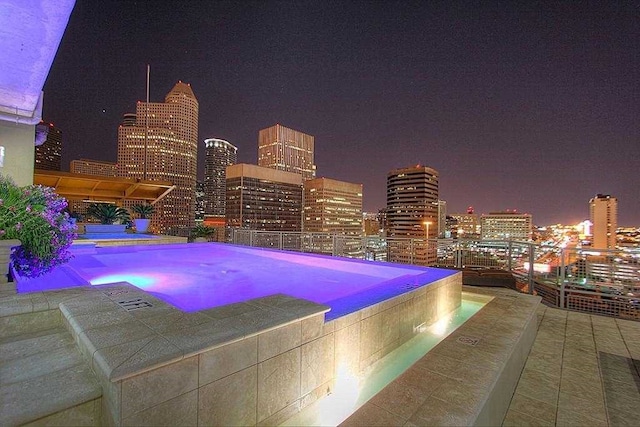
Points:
point(36, 216)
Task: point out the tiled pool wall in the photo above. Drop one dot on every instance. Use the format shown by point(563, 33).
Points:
point(139, 239)
point(254, 363)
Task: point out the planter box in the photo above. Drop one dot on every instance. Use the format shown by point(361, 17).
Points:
point(6, 287)
point(105, 228)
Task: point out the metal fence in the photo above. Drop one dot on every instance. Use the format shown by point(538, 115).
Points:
point(605, 282)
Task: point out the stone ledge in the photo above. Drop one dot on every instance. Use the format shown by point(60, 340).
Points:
point(58, 383)
point(120, 343)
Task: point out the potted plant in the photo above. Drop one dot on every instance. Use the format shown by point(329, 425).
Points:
point(34, 218)
point(75, 217)
point(201, 233)
point(144, 212)
point(108, 214)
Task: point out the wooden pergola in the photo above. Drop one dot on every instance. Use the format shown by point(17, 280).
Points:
point(105, 189)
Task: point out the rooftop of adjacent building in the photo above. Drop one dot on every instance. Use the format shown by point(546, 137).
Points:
point(217, 142)
point(182, 89)
point(413, 169)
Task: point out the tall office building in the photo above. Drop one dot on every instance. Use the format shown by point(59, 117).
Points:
point(603, 210)
point(332, 206)
point(451, 227)
point(412, 212)
point(48, 153)
point(162, 145)
point(442, 218)
point(287, 150)
point(371, 223)
point(94, 167)
point(218, 155)
point(261, 198)
point(467, 224)
point(507, 225)
point(201, 201)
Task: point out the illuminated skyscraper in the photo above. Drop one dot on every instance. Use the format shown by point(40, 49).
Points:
point(48, 153)
point(94, 167)
point(603, 210)
point(287, 150)
point(508, 225)
point(467, 224)
point(200, 201)
point(263, 198)
point(442, 218)
point(332, 206)
point(412, 212)
point(371, 223)
point(218, 155)
point(162, 145)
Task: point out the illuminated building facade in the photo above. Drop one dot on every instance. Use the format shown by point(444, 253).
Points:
point(442, 218)
point(218, 155)
point(332, 206)
point(200, 201)
point(94, 167)
point(507, 225)
point(603, 210)
point(162, 145)
point(467, 225)
point(371, 224)
point(287, 150)
point(48, 154)
point(261, 198)
point(412, 212)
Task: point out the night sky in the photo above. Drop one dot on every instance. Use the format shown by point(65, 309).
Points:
point(518, 105)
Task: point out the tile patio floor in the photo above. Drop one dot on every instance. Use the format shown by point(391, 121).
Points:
point(583, 370)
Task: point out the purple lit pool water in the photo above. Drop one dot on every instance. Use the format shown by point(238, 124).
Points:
point(196, 276)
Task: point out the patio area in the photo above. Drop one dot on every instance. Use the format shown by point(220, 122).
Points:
point(583, 370)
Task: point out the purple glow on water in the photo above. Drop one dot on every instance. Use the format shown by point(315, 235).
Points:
point(194, 277)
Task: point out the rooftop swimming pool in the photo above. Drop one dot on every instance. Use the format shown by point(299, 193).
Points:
point(198, 276)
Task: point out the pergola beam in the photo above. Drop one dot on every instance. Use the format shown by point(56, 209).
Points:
point(104, 189)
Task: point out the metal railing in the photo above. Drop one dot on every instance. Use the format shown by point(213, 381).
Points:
point(605, 282)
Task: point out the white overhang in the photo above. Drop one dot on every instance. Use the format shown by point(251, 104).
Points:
point(30, 33)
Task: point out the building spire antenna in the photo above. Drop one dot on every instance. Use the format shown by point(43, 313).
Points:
point(146, 128)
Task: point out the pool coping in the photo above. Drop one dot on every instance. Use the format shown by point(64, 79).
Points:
point(156, 332)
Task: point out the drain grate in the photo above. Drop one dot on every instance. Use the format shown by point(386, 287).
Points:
point(134, 304)
point(116, 292)
point(472, 341)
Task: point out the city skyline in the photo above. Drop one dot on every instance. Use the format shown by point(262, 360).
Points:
point(517, 106)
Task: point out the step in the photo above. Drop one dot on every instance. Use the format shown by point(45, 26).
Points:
point(44, 378)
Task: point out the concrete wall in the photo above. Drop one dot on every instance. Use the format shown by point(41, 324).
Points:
point(17, 142)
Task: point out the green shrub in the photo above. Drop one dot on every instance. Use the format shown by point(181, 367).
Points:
point(36, 216)
point(107, 213)
point(144, 211)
